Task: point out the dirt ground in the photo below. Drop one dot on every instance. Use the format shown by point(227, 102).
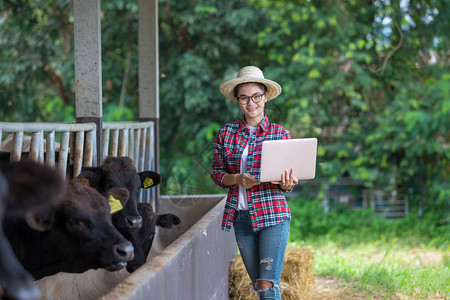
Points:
point(332, 288)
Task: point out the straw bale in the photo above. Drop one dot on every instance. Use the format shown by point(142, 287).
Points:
point(297, 278)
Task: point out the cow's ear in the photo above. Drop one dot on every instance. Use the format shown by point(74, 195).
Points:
point(40, 220)
point(92, 174)
point(117, 194)
point(149, 179)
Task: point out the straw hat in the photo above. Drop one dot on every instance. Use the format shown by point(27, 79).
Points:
point(250, 74)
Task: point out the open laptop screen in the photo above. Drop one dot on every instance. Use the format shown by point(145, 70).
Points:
point(280, 155)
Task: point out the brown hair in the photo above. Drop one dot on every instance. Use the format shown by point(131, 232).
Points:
point(237, 87)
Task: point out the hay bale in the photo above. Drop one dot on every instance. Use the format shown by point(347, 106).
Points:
point(297, 278)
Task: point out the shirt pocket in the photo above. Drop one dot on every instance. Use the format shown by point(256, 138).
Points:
point(233, 156)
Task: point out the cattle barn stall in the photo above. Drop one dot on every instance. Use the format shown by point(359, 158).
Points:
point(189, 261)
point(181, 258)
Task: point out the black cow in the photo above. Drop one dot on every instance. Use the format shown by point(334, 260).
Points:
point(76, 236)
point(142, 238)
point(32, 185)
point(121, 172)
point(15, 282)
point(27, 186)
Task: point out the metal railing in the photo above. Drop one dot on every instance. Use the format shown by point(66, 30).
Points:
point(133, 139)
point(76, 145)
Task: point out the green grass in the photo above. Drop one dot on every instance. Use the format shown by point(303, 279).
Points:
point(386, 270)
point(404, 259)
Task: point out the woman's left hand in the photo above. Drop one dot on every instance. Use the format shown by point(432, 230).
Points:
point(288, 180)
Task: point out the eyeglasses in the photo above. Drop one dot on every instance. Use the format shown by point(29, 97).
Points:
point(255, 98)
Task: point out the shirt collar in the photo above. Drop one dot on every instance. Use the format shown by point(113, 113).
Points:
point(263, 125)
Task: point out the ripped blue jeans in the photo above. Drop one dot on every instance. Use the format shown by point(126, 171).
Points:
point(262, 252)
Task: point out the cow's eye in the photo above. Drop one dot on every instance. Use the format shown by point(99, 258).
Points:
point(77, 223)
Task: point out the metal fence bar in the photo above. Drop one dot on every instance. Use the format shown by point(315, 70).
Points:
point(131, 143)
point(33, 127)
point(63, 152)
point(105, 141)
point(16, 152)
point(142, 148)
point(114, 142)
point(78, 155)
point(89, 149)
point(137, 142)
point(35, 146)
point(41, 147)
point(123, 142)
point(71, 148)
point(50, 147)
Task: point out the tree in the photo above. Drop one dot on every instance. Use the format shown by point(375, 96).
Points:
point(369, 78)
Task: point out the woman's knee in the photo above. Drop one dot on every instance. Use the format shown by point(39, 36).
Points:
point(264, 284)
point(267, 289)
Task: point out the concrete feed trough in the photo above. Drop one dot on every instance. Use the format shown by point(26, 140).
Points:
point(189, 261)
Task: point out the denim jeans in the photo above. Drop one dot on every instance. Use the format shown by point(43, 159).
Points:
point(262, 252)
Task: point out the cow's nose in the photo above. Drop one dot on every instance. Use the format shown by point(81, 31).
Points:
point(124, 251)
point(134, 222)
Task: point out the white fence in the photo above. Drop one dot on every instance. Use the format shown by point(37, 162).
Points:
point(39, 142)
point(388, 205)
point(67, 145)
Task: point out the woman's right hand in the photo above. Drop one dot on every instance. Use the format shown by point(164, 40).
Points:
point(246, 180)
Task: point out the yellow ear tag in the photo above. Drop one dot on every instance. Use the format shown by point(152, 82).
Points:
point(115, 204)
point(148, 182)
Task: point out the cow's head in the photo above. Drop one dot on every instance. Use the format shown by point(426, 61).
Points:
point(82, 230)
point(31, 186)
point(142, 239)
point(121, 172)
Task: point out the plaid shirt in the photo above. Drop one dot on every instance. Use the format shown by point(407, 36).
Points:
point(266, 202)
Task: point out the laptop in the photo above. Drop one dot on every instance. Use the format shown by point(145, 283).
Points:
point(280, 155)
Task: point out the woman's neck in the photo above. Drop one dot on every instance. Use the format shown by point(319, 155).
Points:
point(254, 122)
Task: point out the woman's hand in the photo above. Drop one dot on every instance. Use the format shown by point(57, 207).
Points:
point(246, 180)
point(288, 180)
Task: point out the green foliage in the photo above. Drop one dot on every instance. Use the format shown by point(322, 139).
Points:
point(202, 45)
point(114, 113)
point(345, 226)
point(369, 79)
point(56, 111)
point(33, 34)
point(377, 120)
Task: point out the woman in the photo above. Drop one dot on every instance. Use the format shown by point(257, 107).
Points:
point(258, 211)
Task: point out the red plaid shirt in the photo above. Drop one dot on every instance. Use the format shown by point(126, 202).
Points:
point(266, 202)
